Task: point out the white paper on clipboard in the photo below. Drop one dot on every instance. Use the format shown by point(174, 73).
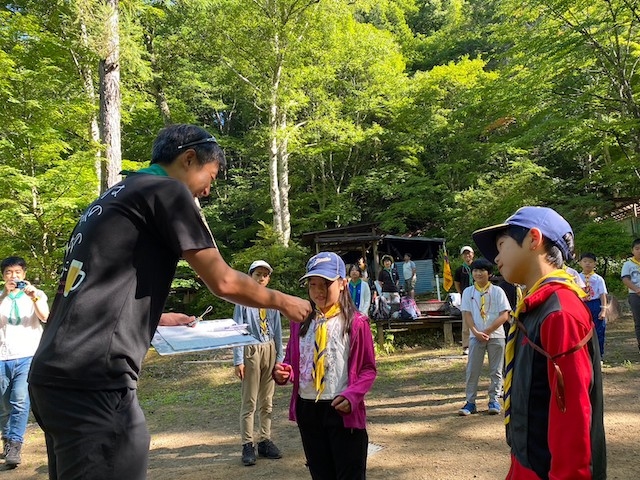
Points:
point(205, 335)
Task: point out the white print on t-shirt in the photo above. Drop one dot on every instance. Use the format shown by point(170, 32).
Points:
point(96, 209)
point(75, 240)
point(113, 191)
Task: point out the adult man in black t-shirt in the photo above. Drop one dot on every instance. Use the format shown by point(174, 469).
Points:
point(118, 268)
point(462, 279)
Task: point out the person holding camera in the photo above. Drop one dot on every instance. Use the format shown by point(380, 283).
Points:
point(22, 308)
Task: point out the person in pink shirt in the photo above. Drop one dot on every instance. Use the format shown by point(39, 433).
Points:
point(331, 362)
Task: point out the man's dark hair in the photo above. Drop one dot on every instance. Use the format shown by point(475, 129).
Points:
point(635, 242)
point(554, 254)
point(11, 262)
point(482, 264)
point(176, 139)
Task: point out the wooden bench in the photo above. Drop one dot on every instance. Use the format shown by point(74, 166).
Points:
point(445, 322)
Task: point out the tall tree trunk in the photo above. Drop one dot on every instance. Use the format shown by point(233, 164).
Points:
point(86, 74)
point(110, 102)
point(275, 154)
point(274, 179)
point(157, 89)
point(283, 181)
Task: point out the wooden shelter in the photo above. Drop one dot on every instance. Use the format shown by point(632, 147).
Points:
point(369, 242)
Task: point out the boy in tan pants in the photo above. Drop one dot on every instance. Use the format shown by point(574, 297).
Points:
point(253, 365)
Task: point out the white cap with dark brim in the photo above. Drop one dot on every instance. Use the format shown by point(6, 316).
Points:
point(260, 263)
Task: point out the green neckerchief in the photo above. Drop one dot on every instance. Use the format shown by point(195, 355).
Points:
point(467, 269)
point(14, 311)
point(153, 169)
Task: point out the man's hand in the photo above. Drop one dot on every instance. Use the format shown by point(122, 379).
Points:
point(296, 309)
point(174, 319)
point(240, 371)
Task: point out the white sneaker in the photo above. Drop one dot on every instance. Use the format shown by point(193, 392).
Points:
point(465, 351)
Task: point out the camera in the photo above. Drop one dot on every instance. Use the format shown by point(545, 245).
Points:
point(20, 284)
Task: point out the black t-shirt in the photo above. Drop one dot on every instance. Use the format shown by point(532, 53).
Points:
point(463, 276)
point(389, 279)
point(125, 248)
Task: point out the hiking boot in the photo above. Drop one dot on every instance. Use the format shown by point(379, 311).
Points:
point(12, 457)
point(468, 409)
point(248, 454)
point(267, 449)
point(494, 408)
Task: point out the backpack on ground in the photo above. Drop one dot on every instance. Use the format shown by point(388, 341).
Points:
point(408, 308)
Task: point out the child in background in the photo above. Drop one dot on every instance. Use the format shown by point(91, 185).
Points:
point(359, 290)
point(388, 279)
point(330, 361)
point(253, 365)
point(596, 299)
point(553, 382)
point(485, 308)
point(630, 276)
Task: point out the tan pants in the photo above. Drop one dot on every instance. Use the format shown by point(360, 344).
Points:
point(257, 390)
point(465, 334)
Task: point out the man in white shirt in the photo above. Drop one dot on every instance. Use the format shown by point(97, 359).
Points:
point(409, 275)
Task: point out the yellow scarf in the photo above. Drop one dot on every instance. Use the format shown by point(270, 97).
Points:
point(320, 347)
point(484, 291)
point(635, 261)
point(557, 276)
point(263, 321)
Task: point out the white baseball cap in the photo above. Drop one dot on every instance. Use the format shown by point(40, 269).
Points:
point(465, 249)
point(260, 263)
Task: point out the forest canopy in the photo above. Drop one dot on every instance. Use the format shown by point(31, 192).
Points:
point(430, 117)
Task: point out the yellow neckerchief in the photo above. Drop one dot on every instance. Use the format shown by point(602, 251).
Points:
point(637, 262)
point(557, 276)
point(320, 346)
point(483, 293)
point(263, 320)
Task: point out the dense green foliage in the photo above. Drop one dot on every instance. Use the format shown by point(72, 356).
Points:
point(430, 116)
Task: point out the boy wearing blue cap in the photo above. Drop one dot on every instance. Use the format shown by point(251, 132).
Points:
point(253, 365)
point(553, 383)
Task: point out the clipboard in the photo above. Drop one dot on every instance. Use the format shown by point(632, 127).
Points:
point(205, 335)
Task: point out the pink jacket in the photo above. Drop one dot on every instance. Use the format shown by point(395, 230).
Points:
point(362, 370)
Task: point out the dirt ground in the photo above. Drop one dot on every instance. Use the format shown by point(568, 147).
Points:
point(192, 403)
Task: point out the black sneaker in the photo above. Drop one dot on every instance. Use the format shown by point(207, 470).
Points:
point(268, 449)
point(12, 458)
point(248, 454)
